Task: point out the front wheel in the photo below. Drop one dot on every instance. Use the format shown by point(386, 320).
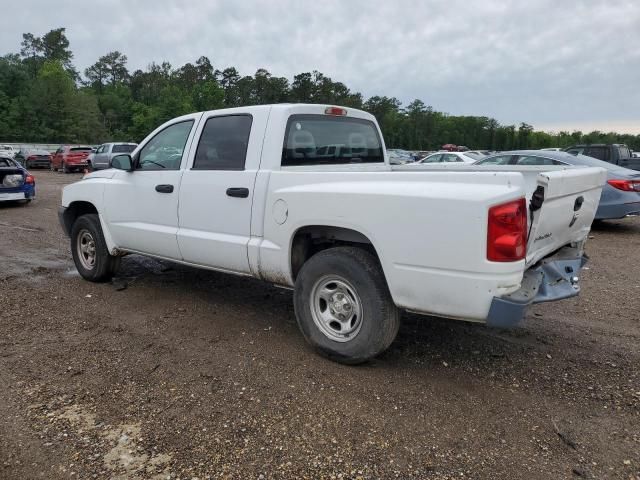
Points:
point(343, 305)
point(89, 250)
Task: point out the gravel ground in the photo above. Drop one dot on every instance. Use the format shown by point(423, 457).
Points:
point(174, 372)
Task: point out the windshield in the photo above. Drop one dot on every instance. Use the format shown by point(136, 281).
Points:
point(6, 162)
point(330, 140)
point(123, 148)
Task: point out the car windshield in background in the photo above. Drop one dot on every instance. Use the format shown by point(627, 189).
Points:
point(329, 140)
point(123, 148)
point(474, 155)
point(80, 149)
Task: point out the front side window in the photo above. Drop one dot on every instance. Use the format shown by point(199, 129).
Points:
point(435, 158)
point(223, 143)
point(164, 151)
point(330, 140)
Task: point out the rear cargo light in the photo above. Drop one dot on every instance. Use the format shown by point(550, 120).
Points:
point(626, 185)
point(335, 111)
point(507, 232)
point(30, 180)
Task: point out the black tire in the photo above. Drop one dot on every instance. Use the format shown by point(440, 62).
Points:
point(104, 265)
point(380, 318)
point(65, 169)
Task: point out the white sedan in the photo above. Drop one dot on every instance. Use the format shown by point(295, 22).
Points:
point(446, 157)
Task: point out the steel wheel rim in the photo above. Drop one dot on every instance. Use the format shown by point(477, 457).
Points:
point(86, 249)
point(336, 308)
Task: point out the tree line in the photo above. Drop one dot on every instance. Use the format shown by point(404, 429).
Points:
point(43, 98)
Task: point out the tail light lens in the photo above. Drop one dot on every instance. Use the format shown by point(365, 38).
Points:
point(30, 180)
point(335, 111)
point(626, 185)
point(507, 232)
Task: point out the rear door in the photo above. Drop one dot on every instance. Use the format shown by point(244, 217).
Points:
point(216, 193)
point(571, 198)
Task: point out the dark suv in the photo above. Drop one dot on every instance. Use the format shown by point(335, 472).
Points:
point(616, 153)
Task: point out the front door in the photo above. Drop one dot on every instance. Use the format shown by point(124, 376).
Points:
point(217, 190)
point(142, 206)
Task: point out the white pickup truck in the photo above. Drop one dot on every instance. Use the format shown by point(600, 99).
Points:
point(262, 191)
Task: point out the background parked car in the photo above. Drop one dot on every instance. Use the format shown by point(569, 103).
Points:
point(398, 156)
point(620, 196)
point(71, 157)
point(443, 157)
point(105, 152)
point(8, 151)
point(32, 158)
point(16, 183)
point(616, 153)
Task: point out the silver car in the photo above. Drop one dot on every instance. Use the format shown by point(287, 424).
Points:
point(101, 158)
point(620, 196)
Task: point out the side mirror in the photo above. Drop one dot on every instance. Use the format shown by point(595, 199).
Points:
point(122, 162)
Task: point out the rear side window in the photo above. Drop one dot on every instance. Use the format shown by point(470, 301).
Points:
point(329, 140)
point(498, 160)
point(601, 153)
point(223, 143)
point(535, 160)
point(122, 148)
point(624, 152)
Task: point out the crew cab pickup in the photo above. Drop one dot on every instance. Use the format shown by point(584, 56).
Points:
point(616, 153)
point(261, 191)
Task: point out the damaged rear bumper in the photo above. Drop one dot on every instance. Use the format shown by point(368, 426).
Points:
point(554, 278)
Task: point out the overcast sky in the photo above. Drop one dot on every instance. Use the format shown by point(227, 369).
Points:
point(556, 64)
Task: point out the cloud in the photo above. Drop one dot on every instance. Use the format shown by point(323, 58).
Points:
point(544, 62)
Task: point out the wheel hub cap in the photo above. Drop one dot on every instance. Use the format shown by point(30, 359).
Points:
point(336, 308)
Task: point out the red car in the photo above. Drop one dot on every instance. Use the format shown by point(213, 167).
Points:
point(71, 157)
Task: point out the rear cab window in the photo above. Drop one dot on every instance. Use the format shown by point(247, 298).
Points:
point(330, 140)
point(80, 149)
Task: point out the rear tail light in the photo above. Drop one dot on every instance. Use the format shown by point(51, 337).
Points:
point(335, 111)
point(626, 185)
point(507, 232)
point(31, 157)
point(30, 180)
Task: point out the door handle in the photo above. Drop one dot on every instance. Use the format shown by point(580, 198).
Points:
point(238, 192)
point(164, 188)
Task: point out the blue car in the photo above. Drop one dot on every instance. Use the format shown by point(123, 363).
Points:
point(16, 183)
point(620, 196)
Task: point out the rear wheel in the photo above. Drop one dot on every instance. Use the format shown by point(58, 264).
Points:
point(343, 305)
point(89, 250)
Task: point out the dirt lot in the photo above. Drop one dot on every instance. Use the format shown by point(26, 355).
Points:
point(191, 374)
